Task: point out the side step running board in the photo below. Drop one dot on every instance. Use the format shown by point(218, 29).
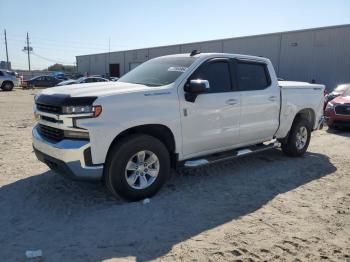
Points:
point(210, 159)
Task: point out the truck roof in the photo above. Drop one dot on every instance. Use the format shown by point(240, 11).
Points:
point(200, 55)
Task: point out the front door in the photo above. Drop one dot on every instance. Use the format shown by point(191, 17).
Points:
point(40, 81)
point(211, 122)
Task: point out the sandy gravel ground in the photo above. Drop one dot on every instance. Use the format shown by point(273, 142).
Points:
point(263, 208)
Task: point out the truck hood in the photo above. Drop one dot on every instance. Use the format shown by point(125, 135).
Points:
point(98, 89)
point(341, 100)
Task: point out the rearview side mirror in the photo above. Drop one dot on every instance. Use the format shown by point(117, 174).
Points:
point(195, 87)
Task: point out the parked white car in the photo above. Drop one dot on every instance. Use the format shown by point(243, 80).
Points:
point(8, 80)
point(180, 110)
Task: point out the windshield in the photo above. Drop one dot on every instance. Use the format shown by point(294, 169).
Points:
point(159, 71)
point(11, 73)
point(347, 92)
point(341, 88)
point(81, 79)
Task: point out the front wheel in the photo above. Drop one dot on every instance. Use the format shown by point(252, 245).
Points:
point(7, 86)
point(137, 167)
point(298, 138)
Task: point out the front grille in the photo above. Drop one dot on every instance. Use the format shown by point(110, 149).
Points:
point(51, 133)
point(48, 108)
point(342, 109)
point(50, 119)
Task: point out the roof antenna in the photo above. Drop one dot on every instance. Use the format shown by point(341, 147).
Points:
point(195, 52)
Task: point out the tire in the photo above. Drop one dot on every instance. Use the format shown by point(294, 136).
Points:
point(7, 86)
point(120, 165)
point(298, 138)
point(332, 127)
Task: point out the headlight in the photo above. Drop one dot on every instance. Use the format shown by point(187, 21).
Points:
point(76, 109)
point(330, 106)
point(94, 110)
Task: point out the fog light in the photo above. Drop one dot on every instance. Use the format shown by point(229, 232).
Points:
point(76, 134)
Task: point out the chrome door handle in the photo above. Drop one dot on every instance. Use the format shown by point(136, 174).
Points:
point(272, 98)
point(231, 101)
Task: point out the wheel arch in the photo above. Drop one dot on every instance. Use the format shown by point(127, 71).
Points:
point(307, 114)
point(7, 81)
point(159, 131)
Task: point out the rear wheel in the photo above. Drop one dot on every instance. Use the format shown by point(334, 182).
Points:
point(137, 167)
point(7, 86)
point(298, 138)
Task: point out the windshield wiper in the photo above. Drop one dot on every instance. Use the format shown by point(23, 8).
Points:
point(148, 84)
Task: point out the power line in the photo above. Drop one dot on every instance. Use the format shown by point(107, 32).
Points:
point(70, 42)
point(67, 46)
point(74, 49)
point(51, 60)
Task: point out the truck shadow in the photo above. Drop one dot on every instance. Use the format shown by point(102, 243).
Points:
point(73, 221)
point(345, 131)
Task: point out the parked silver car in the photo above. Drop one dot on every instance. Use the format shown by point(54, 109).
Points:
point(83, 80)
point(8, 80)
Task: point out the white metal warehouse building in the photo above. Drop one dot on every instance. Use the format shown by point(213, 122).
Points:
point(319, 54)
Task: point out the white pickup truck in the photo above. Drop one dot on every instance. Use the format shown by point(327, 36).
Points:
point(183, 110)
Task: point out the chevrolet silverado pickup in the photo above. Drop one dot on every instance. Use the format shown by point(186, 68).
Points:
point(184, 110)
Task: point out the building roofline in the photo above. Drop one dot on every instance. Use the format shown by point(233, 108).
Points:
point(225, 39)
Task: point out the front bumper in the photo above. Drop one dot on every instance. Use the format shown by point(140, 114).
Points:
point(333, 119)
point(66, 157)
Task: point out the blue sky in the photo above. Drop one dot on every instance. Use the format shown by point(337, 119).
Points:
point(60, 30)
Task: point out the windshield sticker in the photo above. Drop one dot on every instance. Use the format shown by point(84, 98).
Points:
point(177, 69)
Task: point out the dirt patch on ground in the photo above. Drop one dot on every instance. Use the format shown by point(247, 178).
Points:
point(264, 207)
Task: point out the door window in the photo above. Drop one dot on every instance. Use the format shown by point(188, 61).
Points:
point(218, 75)
point(252, 76)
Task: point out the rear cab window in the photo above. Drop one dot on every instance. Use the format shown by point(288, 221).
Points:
point(252, 76)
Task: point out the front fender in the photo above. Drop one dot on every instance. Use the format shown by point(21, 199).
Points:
point(126, 111)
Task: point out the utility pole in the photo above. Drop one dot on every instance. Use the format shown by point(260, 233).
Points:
point(7, 54)
point(28, 51)
point(109, 55)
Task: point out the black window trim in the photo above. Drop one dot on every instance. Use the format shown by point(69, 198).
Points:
point(243, 61)
point(216, 60)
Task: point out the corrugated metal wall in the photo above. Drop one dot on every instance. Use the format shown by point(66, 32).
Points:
point(321, 54)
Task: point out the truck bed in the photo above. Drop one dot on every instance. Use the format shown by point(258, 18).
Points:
point(295, 84)
point(297, 95)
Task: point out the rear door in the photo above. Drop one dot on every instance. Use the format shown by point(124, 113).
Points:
point(260, 102)
point(211, 122)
